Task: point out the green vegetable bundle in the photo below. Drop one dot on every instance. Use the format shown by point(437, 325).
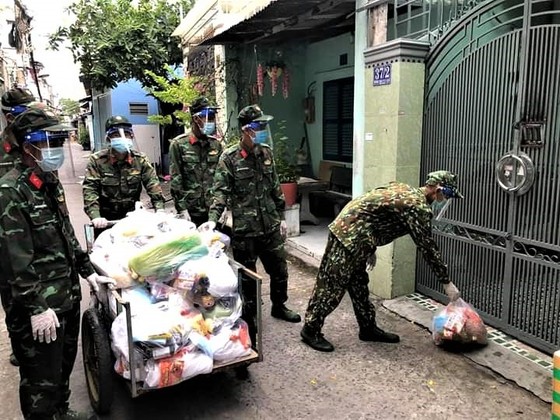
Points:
point(161, 259)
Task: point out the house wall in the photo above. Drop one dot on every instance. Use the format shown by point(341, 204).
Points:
point(321, 65)
point(317, 62)
point(146, 133)
point(242, 67)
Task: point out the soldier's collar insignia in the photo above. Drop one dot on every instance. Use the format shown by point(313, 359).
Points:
point(35, 180)
point(244, 153)
point(7, 147)
point(192, 139)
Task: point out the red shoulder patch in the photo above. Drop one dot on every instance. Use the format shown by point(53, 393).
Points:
point(35, 180)
point(7, 147)
point(244, 153)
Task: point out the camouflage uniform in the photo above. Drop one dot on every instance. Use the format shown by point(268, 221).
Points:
point(9, 153)
point(193, 162)
point(112, 187)
point(246, 182)
point(43, 258)
point(374, 219)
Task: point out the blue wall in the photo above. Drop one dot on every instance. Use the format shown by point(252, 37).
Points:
point(132, 91)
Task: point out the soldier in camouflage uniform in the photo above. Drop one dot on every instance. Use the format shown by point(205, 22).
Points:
point(42, 256)
point(193, 160)
point(114, 177)
point(247, 183)
point(14, 102)
point(375, 219)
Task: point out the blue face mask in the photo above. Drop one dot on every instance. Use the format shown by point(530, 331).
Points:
point(121, 144)
point(52, 159)
point(261, 137)
point(209, 128)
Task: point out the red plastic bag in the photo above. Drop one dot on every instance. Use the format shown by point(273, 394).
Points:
point(458, 322)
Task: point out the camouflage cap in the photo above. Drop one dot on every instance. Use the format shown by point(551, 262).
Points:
point(115, 121)
point(445, 179)
point(15, 97)
point(35, 119)
point(252, 113)
point(199, 104)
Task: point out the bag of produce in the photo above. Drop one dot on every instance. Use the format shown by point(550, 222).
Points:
point(458, 322)
point(158, 260)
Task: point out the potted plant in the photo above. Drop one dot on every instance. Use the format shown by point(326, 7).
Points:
point(284, 161)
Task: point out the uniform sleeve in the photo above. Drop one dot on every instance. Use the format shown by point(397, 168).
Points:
point(175, 168)
point(420, 224)
point(17, 250)
point(91, 189)
point(277, 194)
point(151, 184)
point(223, 186)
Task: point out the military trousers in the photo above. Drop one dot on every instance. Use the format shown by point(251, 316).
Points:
point(45, 369)
point(270, 249)
point(340, 271)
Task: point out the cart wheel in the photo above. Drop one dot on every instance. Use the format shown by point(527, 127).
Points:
point(242, 372)
point(96, 355)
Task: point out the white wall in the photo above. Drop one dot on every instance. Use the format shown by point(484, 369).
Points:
point(148, 141)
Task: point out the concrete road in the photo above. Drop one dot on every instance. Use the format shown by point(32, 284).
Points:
point(410, 380)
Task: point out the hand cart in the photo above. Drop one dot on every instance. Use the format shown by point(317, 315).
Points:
point(107, 304)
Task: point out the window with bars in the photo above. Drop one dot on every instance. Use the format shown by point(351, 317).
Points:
point(138, 108)
point(338, 119)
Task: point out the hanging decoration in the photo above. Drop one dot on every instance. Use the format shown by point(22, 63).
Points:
point(260, 80)
point(285, 83)
point(274, 70)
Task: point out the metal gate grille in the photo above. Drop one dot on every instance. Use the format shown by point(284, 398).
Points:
point(493, 87)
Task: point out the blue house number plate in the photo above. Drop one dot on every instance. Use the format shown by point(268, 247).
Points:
point(382, 75)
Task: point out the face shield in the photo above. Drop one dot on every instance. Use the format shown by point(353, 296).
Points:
point(259, 131)
point(440, 207)
point(121, 139)
point(50, 144)
point(206, 120)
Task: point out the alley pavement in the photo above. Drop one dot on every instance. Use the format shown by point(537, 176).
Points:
point(409, 380)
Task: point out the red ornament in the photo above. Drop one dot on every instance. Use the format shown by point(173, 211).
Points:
point(260, 80)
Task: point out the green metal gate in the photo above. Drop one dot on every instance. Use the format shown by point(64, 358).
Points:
point(492, 115)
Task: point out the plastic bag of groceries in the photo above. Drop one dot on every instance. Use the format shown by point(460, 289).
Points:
point(458, 323)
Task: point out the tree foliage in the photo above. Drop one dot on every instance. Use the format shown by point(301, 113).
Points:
point(69, 107)
point(117, 40)
point(177, 90)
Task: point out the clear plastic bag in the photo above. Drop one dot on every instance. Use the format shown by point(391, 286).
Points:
point(458, 322)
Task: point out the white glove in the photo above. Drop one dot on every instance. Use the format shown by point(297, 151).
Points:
point(451, 291)
point(100, 222)
point(95, 280)
point(160, 211)
point(208, 226)
point(44, 326)
point(283, 229)
point(371, 262)
point(185, 215)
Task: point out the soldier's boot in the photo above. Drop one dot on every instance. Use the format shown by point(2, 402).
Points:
point(375, 333)
point(13, 359)
point(285, 314)
point(315, 339)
